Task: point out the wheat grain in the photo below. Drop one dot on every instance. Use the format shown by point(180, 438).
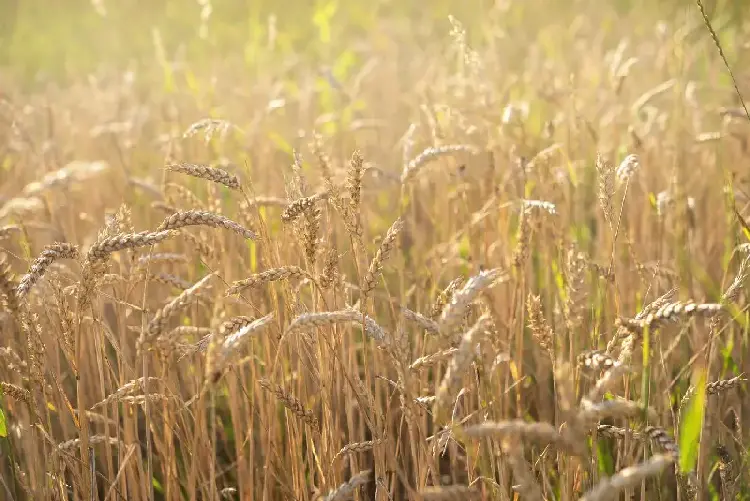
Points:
point(206, 172)
point(310, 230)
point(540, 330)
point(670, 312)
point(354, 180)
point(292, 403)
point(223, 346)
point(203, 218)
point(161, 257)
point(17, 393)
point(444, 297)
point(126, 389)
point(92, 440)
point(432, 359)
point(622, 332)
point(50, 254)
point(329, 276)
point(523, 238)
point(629, 166)
point(630, 477)
point(595, 360)
point(272, 275)
point(300, 206)
point(540, 433)
point(8, 285)
point(714, 387)
point(607, 381)
point(527, 485)
point(209, 126)
point(591, 412)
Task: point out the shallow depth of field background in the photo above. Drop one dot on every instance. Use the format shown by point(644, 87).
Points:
point(536, 88)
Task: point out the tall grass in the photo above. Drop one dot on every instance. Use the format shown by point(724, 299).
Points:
point(375, 251)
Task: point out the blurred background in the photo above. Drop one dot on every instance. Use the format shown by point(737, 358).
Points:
point(42, 39)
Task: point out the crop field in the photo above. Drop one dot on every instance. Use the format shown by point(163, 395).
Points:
point(383, 250)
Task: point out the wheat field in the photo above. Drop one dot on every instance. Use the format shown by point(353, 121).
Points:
point(374, 251)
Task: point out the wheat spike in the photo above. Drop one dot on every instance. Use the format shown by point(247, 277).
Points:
point(540, 433)
point(610, 487)
point(429, 325)
point(454, 312)
point(384, 251)
point(49, 255)
point(162, 317)
point(206, 172)
point(714, 387)
point(300, 206)
point(431, 154)
point(356, 447)
point(540, 329)
point(203, 218)
point(346, 490)
point(8, 285)
point(444, 297)
point(272, 275)
point(292, 403)
point(606, 174)
point(315, 320)
point(459, 363)
point(449, 493)
point(432, 359)
point(106, 246)
point(595, 360)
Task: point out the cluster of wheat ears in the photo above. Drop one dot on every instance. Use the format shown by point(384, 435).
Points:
point(461, 338)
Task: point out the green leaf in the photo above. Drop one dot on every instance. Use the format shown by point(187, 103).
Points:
point(464, 247)
point(280, 142)
point(3, 426)
point(690, 427)
point(605, 464)
point(157, 485)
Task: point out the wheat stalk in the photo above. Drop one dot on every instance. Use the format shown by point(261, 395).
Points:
point(429, 325)
point(171, 309)
point(454, 312)
point(376, 265)
point(106, 246)
point(449, 493)
point(459, 364)
point(315, 320)
point(356, 447)
point(431, 154)
point(346, 490)
point(272, 275)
